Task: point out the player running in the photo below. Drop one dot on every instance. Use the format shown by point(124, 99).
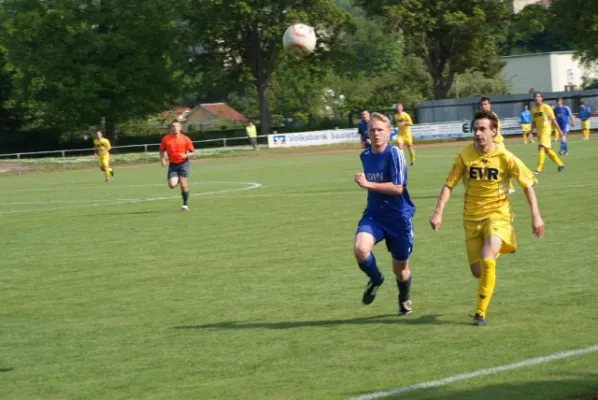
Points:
point(387, 214)
point(362, 129)
point(486, 169)
point(564, 117)
point(542, 119)
point(102, 150)
point(404, 122)
point(179, 149)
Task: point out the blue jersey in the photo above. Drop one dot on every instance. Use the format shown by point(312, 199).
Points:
point(362, 130)
point(585, 113)
point(562, 116)
point(388, 166)
point(525, 117)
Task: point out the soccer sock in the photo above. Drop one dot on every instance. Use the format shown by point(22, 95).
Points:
point(412, 154)
point(541, 157)
point(404, 288)
point(525, 138)
point(555, 159)
point(565, 147)
point(370, 268)
point(486, 285)
point(185, 197)
point(586, 133)
point(107, 173)
point(562, 146)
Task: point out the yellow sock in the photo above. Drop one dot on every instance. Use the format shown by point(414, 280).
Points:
point(486, 285)
point(107, 171)
point(412, 154)
point(525, 138)
point(555, 159)
point(541, 157)
point(586, 133)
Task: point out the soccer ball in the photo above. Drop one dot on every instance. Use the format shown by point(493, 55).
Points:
point(299, 39)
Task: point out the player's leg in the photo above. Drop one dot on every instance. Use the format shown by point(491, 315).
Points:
point(105, 167)
point(399, 243)
point(172, 176)
point(542, 142)
point(524, 133)
point(487, 282)
point(564, 147)
point(411, 148)
point(184, 171)
point(367, 235)
point(585, 126)
point(554, 158)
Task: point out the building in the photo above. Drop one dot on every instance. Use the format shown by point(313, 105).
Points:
point(549, 72)
point(518, 5)
point(205, 115)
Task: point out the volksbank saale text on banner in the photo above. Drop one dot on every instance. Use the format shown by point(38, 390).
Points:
point(450, 130)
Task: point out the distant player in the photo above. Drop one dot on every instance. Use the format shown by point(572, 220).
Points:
point(179, 148)
point(542, 120)
point(584, 115)
point(486, 105)
point(486, 170)
point(404, 138)
point(362, 129)
point(564, 117)
point(525, 122)
point(102, 150)
point(387, 214)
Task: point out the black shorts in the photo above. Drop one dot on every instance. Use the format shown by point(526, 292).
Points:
point(180, 170)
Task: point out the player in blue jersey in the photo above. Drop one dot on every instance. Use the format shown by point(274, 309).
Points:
point(362, 129)
point(584, 115)
point(564, 117)
point(387, 215)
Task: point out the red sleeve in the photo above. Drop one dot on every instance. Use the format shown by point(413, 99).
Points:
point(163, 144)
point(189, 144)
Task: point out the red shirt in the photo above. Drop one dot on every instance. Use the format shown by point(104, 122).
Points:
point(176, 147)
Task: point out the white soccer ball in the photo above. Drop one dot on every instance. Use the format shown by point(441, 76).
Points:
point(299, 39)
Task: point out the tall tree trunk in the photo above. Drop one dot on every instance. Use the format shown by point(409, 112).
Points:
point(265, 117)
point(442, 84)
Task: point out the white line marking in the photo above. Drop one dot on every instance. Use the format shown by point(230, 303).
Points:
point(249, 186)
point(475, 374)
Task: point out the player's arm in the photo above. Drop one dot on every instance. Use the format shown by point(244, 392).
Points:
point(190, 149)
point(571, 117)
point(445, 194)
point(527, 180)
point(397, 177)
point(553, 122)
point(537, 222)
point(408, 121)
point(163, 153)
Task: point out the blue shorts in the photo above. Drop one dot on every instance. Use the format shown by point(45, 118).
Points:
point(398, 234)
point(180, 170)
point(564, 129)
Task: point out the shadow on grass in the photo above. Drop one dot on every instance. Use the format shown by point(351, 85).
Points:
point(103, 214)
point(391, 319)
point(6, 369)
point(535, 390)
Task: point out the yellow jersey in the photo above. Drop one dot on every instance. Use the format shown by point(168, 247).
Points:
point(486, 179)
point(542, 119)
point(404, 130)
point(498, 138)
point(101, 145)
point(251, 131)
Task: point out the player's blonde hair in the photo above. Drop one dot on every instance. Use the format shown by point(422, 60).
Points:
point(379, 117)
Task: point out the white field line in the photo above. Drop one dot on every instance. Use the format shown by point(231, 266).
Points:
point(249, 186)
point(478, 373)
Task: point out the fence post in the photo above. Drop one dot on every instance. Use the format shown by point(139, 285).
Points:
point(63, 159)
point(146, 155)
point(18, 156)
point(224, 141)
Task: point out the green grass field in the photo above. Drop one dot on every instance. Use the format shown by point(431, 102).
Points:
point(108, 291)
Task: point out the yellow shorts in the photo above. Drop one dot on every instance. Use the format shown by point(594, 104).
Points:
point(544, 139)
point(476, 233)
point(526, 128)
point(585, 124)
point(406, 140)
point(104, 161)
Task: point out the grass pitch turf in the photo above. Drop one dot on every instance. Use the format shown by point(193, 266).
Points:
point(108, 291)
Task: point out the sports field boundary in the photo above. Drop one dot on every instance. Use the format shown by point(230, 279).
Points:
point(481, 372)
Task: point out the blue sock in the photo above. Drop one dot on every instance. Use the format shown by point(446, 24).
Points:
point(566, 147)
point(562, 146)
point(404, 289)
point(371, 269)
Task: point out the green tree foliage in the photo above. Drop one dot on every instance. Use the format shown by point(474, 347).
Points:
point(10, 115)
point(87, 60)
point(452, 36)
point(577, 22)
point(531, 31)
point(242, 39)
point(473, 84)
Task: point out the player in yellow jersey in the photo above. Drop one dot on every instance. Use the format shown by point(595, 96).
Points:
point(403, 121)
point(486, 105)
point(102, 150)
point(486, 169)
point(542, 119)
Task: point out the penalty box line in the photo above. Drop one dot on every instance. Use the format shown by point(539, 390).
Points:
point(475, 374)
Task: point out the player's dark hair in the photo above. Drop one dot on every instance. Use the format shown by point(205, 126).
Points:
point(537, 92)
point(559, 99)
point(484, 98)
point(175, 120)
point(487, 115)
point(582, 104)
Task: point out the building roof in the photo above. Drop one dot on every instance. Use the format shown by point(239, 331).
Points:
point(224, 111)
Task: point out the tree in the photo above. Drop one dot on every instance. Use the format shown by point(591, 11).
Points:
point(244, 38)
point(531, 31)
point(577, 22)
point(88, 60)
point(452, 36)
point(10, 116)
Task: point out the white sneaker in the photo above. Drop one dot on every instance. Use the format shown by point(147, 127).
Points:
point(511, 191)
point(184, 208)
